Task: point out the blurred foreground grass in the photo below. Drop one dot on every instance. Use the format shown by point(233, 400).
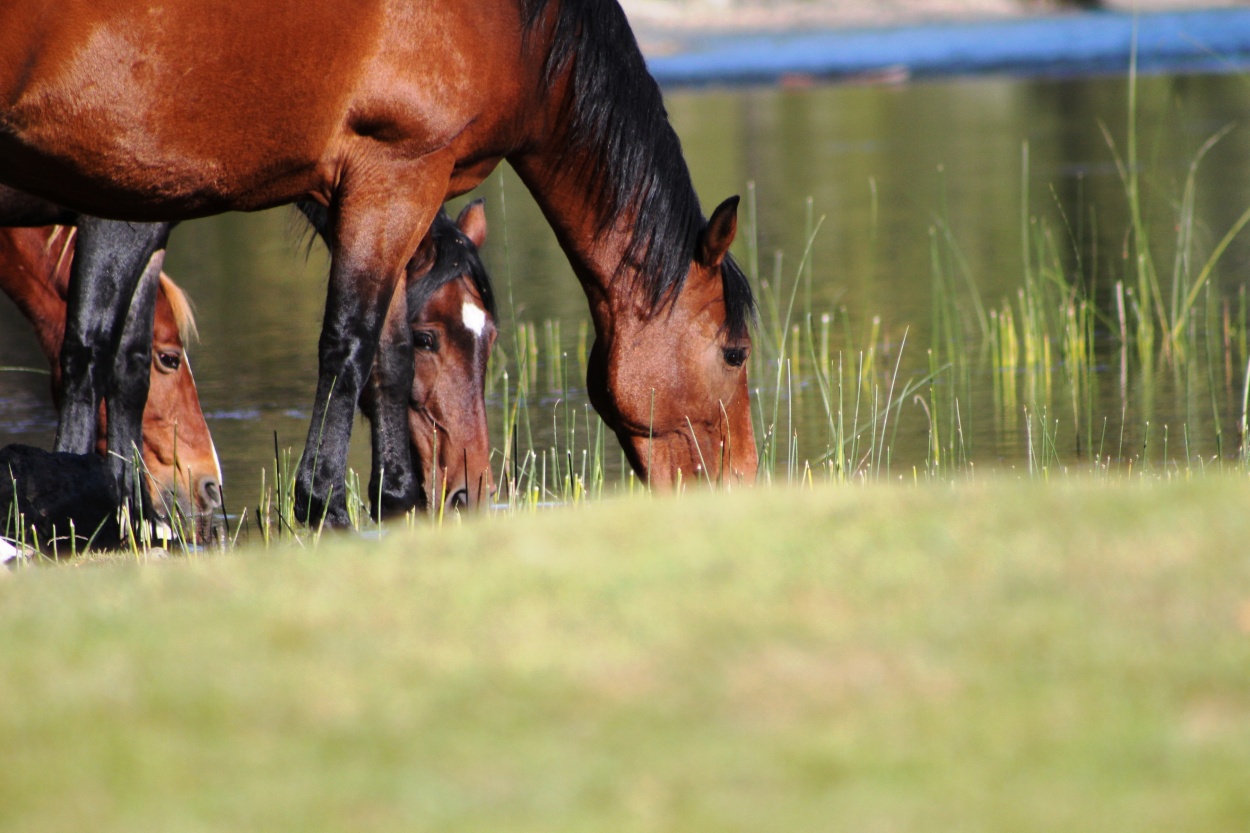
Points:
point(994, 656)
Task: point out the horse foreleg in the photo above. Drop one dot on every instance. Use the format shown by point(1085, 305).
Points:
point(126, 395)
point(109, 266)
point(392, 480)
point(384, 399)
point(377, 226)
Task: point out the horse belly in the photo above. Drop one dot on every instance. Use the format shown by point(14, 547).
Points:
point(135, 175)
point(143, 114)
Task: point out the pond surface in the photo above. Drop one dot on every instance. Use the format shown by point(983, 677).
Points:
point(914, 187)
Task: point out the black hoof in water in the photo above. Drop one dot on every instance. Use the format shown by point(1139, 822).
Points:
point(315, 515)
point(392, 506)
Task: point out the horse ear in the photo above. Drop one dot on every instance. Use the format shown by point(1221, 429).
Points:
point(423, 259)
point(719, 235)
point(472, 222)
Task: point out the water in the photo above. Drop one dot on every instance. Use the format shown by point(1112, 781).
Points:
point(889, 169)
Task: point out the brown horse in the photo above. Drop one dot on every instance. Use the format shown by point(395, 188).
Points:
point(431, 370)
point(161, 110)
point(180, 461)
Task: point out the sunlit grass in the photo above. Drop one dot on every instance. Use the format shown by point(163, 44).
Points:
point(998, 655)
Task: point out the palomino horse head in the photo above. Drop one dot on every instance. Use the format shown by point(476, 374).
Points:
point(183, 473)
point(672, 381)
point(444, 318)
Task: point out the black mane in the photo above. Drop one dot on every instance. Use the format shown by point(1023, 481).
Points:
point(633, 156)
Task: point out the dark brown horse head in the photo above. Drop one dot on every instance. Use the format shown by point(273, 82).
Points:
point(672, 382)
point(452, 320)
point(184, 474)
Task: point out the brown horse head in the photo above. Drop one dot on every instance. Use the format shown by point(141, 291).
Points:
point(671, 381)
point(452, 319)
point(184, 476)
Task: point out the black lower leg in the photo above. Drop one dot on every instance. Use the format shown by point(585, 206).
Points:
point(108, 337)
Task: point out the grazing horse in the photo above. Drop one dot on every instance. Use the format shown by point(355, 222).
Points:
point(179, 459)
point(430, 374)
point(156, 110)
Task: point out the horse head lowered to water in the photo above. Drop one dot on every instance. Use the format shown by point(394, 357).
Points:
point(380, 115)
point(179, 459)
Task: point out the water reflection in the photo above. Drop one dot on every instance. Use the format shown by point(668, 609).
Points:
point(968, 175)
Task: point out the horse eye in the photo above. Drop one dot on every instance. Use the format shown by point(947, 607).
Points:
point(169, 362)
point(423, 340)
point(735, 356)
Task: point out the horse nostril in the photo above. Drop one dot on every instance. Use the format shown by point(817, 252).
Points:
point(210, 492)
point(458, 499)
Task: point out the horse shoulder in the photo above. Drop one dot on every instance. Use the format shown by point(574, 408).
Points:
point(448, 76)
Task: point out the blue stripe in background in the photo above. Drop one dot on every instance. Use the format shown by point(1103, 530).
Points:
point(1212, 40)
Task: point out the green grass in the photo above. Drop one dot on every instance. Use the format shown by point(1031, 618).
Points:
point(998, 655)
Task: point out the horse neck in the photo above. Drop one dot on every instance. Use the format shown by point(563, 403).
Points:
point(630, 149)
point(36, 277)
point(601, 257)
point(595, 255)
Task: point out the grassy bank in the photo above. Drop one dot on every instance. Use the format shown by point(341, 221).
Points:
point(995, 655)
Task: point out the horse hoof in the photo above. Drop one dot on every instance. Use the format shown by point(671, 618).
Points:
point(314, 513)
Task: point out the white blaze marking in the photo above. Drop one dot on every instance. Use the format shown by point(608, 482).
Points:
point(474, 318)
